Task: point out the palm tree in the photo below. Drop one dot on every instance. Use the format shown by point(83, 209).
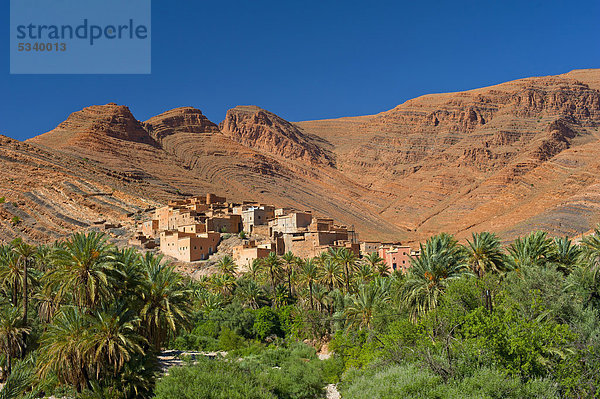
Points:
point(226, 265)
point(331, 274)
point(65, 350)
point(26, 254)
point(19, 383)
point(12, 336)
point(441, 261)
point(47, 305)
point(364, 273)
point(484, 254)
point(223, 284)
point(309, 273)
point(273, 265)
point(209, 301)
point(43, 257)
point(536, 249)
point(112, 339)
point(591, 248)
point(81, 269)
point(11, 274)
point(377, 264)
point(369, 299)
point(165, 300)
point(289, 261)
point(250, 293)
point(566, 255)
point(347, 259)
point(320, 294)
point(280, 296)
point(255, 268)
point(126, 274)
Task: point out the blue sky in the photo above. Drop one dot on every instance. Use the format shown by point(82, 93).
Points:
point(315, 59)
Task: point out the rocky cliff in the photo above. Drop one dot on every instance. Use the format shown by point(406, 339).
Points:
point(262, 130)
point(92, 125)
point(179, 120)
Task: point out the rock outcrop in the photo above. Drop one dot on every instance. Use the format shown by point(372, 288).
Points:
point(92, 125)
point(262, 130)
point(179, 120)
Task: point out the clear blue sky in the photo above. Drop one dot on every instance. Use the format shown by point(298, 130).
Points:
point(315, 59)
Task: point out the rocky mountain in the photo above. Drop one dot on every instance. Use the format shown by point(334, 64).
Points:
point(509, 158)
point(93, 125)
point(179, 120)
point(262, 130)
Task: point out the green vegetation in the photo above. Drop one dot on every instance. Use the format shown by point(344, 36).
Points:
point(276, 372)
point(15, 220)
point(2, 200)
point(81, 318)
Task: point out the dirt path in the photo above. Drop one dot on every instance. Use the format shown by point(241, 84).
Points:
point(332, 392)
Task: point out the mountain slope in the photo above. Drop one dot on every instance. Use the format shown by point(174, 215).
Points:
point(189, 156)
point(464, 161)
point(508, 158)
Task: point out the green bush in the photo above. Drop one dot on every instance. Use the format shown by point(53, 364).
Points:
point(2, 200)
point(332, 369)
point(409, 382)
point(273, 372)
point(210, 379)
point(266, 323)
point(228, 340)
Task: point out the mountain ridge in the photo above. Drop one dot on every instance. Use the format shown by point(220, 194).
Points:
point(508, 158)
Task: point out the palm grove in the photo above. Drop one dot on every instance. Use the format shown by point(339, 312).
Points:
point(476, 320)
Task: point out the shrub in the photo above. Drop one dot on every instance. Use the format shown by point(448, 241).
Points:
point(2, 200)
point(210, 379)
point(266, 323)
point(15, 220)
point(243, 235)
point(332, 369)
point(409, 381)
point(228, 340)
point(274, 372)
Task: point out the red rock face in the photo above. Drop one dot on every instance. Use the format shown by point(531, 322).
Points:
point(262, 130)
point(179, 120)
point(92, 125)
point(482, 159)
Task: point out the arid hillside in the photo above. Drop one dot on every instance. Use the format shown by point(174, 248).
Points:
point(181, 153)
point(509, 158)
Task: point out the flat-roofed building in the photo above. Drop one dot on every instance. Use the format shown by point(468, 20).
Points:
point(245, 254)
point(195, 228)
point(369, 247)
point(150, 228)
point(397, 257)
point(225, 223)
point(189, 247)
point(256, 216)
point(290, 223)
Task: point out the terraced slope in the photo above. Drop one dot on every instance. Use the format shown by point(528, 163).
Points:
point(47, 194)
